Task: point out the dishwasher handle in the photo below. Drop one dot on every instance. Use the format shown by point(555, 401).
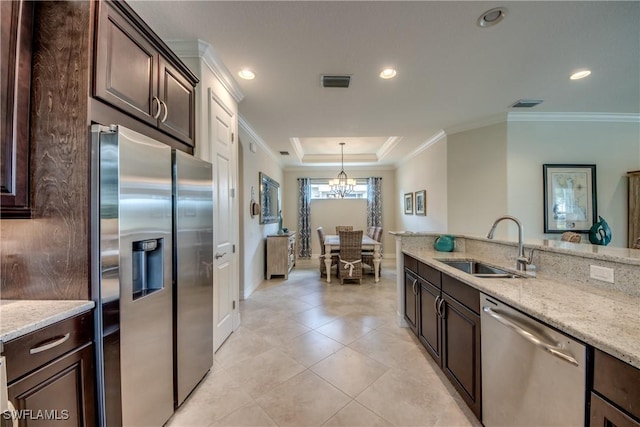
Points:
point(553, 349)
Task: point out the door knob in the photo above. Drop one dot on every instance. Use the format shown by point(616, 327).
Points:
point(218, 255)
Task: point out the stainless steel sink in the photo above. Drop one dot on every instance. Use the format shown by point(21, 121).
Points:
point(480, 269)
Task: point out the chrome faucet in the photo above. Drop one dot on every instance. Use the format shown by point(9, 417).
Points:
point(522, 261)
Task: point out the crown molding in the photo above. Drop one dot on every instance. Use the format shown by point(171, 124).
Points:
point(331, 159)
point(246, 127)
point(331, 168)
point(203, 50)
point(428, 143)
point(388, 145)
point(475, 124)
point(574, 117)
point(297, 148)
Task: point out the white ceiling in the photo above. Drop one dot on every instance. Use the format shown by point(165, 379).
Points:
point(450, 71)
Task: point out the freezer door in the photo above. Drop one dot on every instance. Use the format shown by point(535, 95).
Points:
point(136, 284)
point(193, 263)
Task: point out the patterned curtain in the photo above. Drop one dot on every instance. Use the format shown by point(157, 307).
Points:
point(374, 202)
point(304, 217)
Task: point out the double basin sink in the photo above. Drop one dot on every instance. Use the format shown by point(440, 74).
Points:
point(480, 269)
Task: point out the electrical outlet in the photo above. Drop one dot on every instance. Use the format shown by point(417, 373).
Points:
point(601, 273)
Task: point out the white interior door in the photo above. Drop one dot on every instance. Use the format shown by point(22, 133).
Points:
point(221, 136)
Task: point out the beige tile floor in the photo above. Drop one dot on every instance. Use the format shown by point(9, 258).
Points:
point(312, 354)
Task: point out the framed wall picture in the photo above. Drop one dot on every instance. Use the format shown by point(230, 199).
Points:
point(569, 198)
point(408, 203)
point(421, 202)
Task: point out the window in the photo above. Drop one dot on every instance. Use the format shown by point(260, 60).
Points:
point(320, 189)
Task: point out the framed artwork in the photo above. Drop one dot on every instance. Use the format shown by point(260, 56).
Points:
point(408, 203)
point(569, 198)
point(421, 202)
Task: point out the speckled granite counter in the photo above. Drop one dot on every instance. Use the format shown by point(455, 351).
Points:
point(19, 317)
point(606, 319)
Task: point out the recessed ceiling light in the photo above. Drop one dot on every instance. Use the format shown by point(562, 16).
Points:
point(247, 74)
point(580, 74)
point(492, 17)
point(388, 73)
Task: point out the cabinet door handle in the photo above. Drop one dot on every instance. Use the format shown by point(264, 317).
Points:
point(413, 287)
point(435, 305)
point(50, 344)
point(440, 309)
point(155, 98)
point(166, 111)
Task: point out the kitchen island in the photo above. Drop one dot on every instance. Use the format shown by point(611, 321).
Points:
point(602, 315)
point(481, 314)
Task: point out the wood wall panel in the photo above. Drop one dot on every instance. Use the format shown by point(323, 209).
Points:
point(47, 257)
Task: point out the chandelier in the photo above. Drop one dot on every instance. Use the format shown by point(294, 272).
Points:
point(342, 185)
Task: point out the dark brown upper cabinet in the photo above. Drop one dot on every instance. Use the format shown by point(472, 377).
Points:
point(17, 28)
point(134, 73)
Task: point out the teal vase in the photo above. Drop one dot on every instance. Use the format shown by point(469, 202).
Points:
point(444, 243)
point(600, 233)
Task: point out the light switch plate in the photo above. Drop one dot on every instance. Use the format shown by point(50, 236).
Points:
point(601, 273)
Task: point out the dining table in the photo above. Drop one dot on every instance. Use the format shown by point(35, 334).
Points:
point(332, 243)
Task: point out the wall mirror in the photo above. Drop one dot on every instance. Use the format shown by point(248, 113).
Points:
point(269, 199)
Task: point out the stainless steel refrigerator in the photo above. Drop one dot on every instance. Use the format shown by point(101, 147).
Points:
point(140, 263)
point(193, 273)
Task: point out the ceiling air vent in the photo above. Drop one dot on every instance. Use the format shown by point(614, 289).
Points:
point(336, 81)
point(284, 153)
point(526, 103)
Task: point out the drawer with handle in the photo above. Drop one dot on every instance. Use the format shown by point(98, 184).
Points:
point(34, 349)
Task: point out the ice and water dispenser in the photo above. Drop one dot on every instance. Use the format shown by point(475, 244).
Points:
point(148, 267)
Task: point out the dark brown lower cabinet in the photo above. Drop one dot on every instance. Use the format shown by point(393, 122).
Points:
point(61, 393)
point(51, 374)
point(430, 331)
point(461, 351)
point(615, 399)
point(604, 414)
point(411, 299)
point(444, 313)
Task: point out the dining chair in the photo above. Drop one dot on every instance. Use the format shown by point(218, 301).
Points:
point(371, 232)
point(340, 228)
point(334, 257)
point(571, 237)
point(350, 266)
point(367, 255)
point(378, 234)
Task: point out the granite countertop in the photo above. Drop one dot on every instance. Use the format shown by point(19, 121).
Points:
point(607, 320)
point(19, 317)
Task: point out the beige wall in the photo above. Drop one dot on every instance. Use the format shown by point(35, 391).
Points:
point(613, 147)
point(329, 213)
point(476, 180)
point(252, 233)
point(426, 171)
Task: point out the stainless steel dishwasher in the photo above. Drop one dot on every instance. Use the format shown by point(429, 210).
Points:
point(532, 375)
